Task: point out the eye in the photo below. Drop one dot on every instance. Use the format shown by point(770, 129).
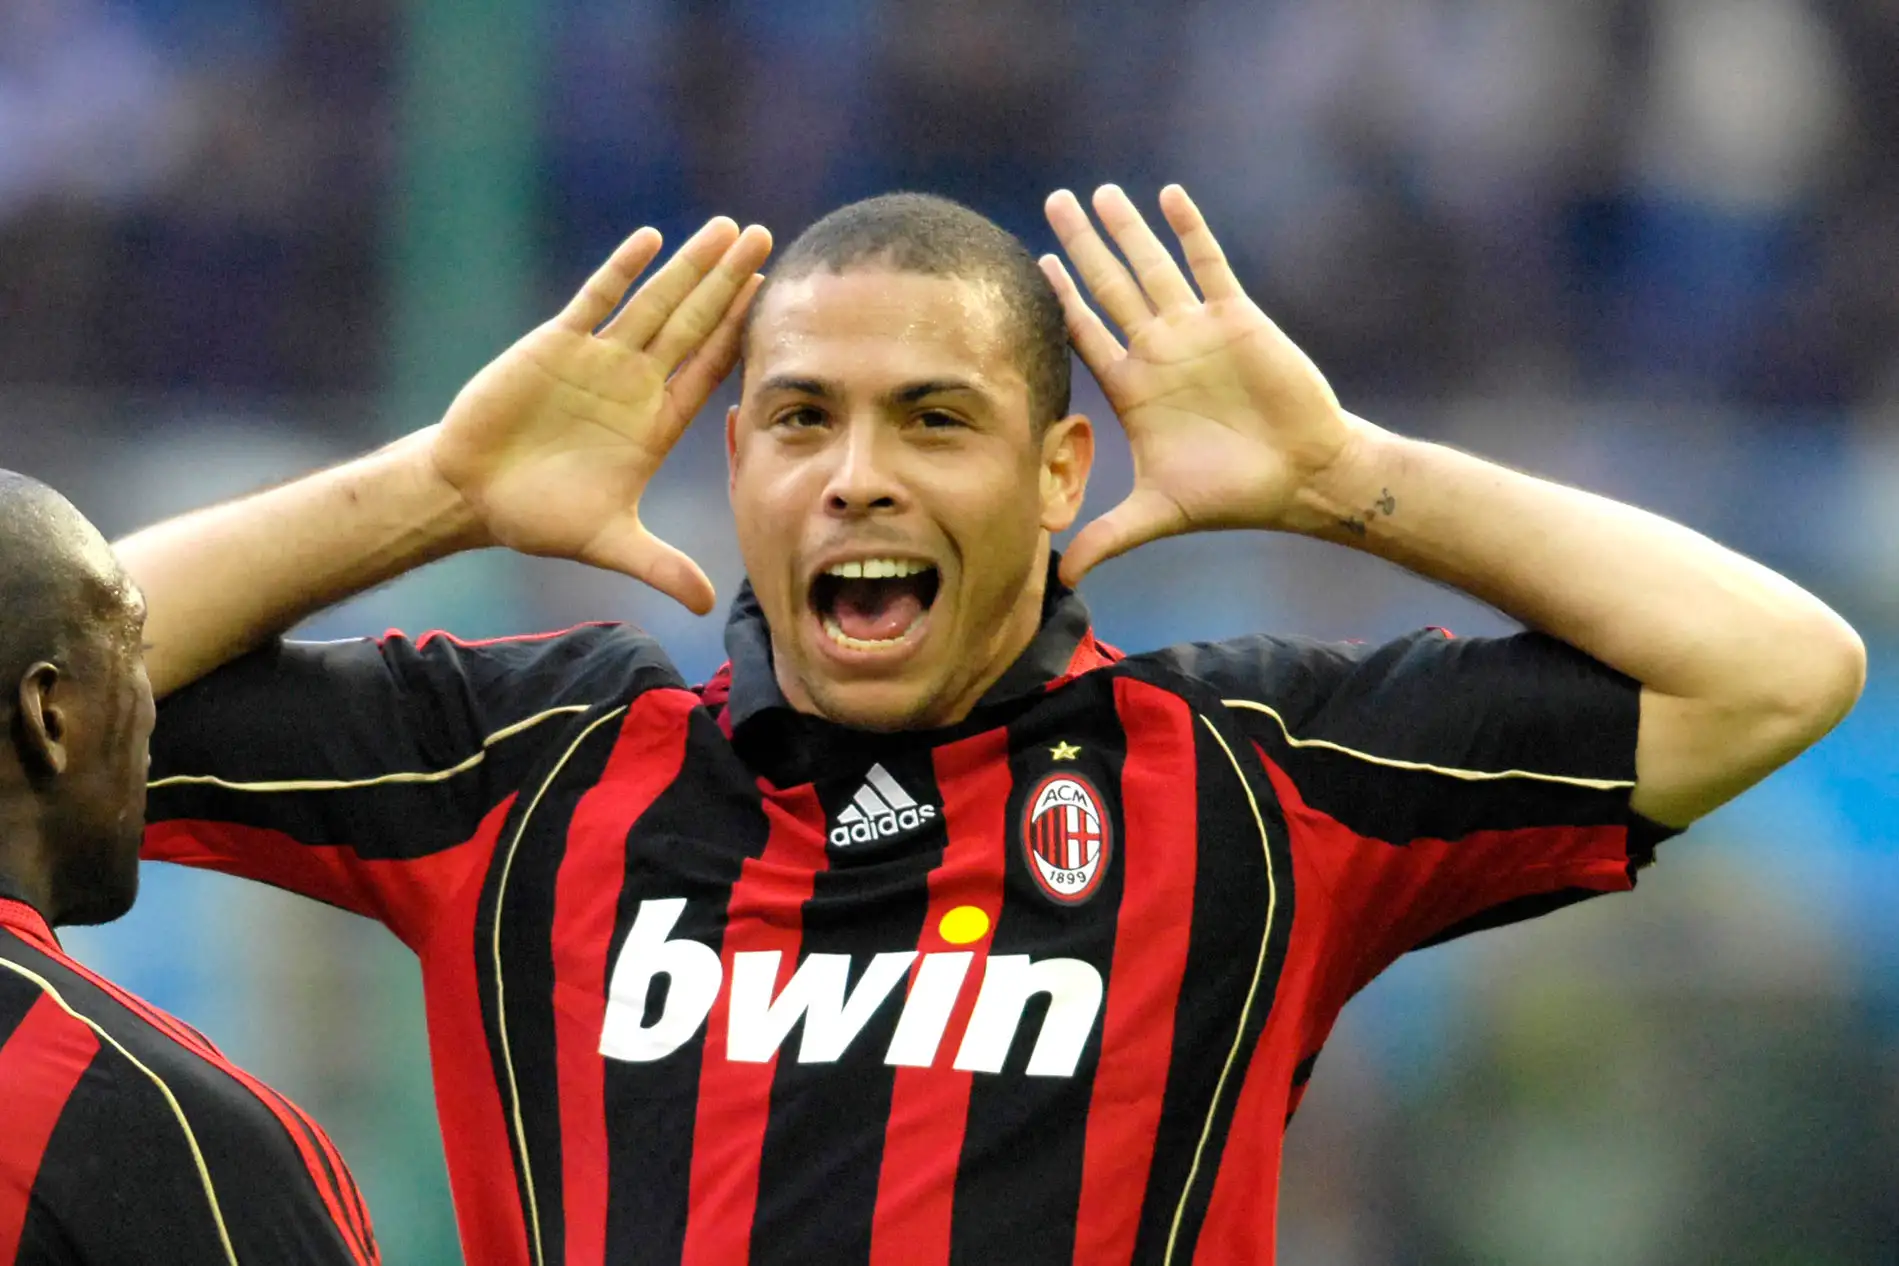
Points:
point(937, 420)
point(801, 417)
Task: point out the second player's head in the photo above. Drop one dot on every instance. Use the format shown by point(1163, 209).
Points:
point(900, 456)
point(77, 710)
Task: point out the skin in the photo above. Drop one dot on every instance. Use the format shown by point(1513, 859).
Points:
point(850, 442)
point(72, 780)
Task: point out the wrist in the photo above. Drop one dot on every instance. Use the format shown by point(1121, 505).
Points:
point(1344, 499)
point(443, 520)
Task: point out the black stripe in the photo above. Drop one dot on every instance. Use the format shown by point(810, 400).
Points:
point(1231, 899)
point(1019, 1184)
point(531, 848)
point(825, 1139)
point(17, 994)
point(690, 844)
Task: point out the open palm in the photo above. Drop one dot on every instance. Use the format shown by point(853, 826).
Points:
point(1226, 417)
point(554, 442)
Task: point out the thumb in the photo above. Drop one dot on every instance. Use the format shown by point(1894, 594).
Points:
point(1145, 515)
point(632, 550)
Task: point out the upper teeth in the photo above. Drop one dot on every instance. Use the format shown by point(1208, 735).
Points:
point(876, 568)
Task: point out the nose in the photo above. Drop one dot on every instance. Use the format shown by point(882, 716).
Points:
point(862, 482)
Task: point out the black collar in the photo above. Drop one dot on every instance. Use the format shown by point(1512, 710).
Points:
point(755, 702)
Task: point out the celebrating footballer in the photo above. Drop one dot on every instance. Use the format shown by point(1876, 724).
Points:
point(933, 928)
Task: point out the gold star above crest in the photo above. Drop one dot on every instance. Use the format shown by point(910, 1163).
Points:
point(1064, 751)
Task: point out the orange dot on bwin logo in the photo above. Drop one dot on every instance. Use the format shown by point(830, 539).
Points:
point(963, 925)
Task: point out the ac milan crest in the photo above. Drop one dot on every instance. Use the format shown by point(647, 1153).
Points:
point(1066, 836)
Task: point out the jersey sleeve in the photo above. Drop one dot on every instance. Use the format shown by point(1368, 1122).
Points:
point(364, 773)
point(1439, 785)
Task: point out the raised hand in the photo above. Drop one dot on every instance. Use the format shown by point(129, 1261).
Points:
point(553, 443)
point(1227, 419)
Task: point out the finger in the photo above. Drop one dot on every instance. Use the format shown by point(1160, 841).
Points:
point(694, 320)
point(632, 550)
point(1106, 277)
point(610, 282)
point(706, 368)
point(1166, 286)
point(1211, 272)
point(1086, 330)
point(654, 301)
point(1144, 516)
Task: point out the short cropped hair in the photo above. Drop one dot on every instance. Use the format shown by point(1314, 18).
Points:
point(937, 237)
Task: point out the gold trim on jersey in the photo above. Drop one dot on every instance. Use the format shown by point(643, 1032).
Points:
point(1466, 775)
point(345, 784)
point(191, 1139)
point(501, 988)
point(1252, 992)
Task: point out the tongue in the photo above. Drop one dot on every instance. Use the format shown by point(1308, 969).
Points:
point(876, 610)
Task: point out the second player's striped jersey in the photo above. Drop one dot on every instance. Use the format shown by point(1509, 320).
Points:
point(127, 1139)
point(710, 981)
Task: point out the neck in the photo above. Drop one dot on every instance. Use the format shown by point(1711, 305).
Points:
point(24, 872)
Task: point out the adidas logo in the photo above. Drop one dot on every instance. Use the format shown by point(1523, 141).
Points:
point(879, 810)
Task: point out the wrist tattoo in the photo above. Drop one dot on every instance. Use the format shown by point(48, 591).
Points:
point(1360, 524)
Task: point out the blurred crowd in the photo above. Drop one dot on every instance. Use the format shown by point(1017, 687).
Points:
point(1647, 246)
point(1690, 197)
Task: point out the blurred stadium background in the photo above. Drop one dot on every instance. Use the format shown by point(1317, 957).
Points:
point(1652, 248)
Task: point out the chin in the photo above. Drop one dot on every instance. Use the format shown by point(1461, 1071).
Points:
point(875, 705)
point(100, 895)
point(100, 907)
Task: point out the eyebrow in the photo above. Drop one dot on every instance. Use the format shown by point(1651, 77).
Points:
point(910, 393)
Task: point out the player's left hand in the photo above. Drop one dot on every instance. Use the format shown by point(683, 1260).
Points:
point(1227, 419)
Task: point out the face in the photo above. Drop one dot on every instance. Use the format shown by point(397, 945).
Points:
point(893, 500)
point(100, 814)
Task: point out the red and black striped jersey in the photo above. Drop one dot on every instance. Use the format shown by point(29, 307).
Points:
point(127, 1139)
point(712, 981)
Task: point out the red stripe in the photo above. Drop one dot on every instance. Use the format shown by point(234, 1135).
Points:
point(405, 894)
point(467, 1101)
point(929, 1107)
point(40, 1065)
point(648, 755)
point(764, 912)
point(304, 1132)
point(1158, 858)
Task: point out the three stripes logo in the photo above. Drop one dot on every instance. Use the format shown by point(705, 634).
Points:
point(879, 810)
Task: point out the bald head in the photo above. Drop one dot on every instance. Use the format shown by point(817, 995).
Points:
point(59, 582)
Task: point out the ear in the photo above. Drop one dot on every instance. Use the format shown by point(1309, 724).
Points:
point(1068, 454)
point(731, 447)
point(43, 724)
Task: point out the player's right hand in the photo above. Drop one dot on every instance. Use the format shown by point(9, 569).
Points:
point(553, 442)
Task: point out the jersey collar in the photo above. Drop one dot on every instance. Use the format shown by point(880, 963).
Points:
point(1063, 647)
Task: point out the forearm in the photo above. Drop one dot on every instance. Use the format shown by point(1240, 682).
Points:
point(1741, 667)
point(1649, 597)
point(221, 580)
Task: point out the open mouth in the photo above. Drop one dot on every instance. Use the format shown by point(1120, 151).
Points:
point(873, 604)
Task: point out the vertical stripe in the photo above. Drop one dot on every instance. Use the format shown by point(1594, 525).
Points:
point(1159, 846)
point(765, 913)
point(646, 758)
point(488, 1212)
point(923, 1140)
point(40, 1065)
